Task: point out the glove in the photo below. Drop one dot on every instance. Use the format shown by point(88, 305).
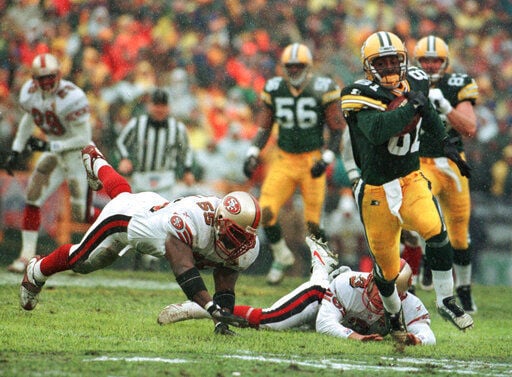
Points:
point(441, 104)
point(223, 329)
point(450, 151)
point(319, 168)
point(35, 144)
point(11, 162)
point(417, 99)
point(225, 317)
point(250, 165)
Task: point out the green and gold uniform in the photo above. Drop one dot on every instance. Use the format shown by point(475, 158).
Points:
point(448, 185)
point(392, 193)
point(301, 120)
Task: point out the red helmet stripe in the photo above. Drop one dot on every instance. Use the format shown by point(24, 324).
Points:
point(43, 61)
point(257, 215)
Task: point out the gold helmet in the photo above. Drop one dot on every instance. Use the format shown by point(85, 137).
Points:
point(236, 220)
point(46, 72)
point(432, 47)
point(371, 297)
point(381, 44)
point(297, 61)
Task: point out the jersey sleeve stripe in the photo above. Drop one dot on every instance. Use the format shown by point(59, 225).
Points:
point(352, 102)
point(331, 96)
point(469, 92)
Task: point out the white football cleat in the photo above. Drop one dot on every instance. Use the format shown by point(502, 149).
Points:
point(321, 255)
point(181, 312)
point(89, 155)
point(453, 313)
point(283, 260)
point(18, 266)
point(30, 288)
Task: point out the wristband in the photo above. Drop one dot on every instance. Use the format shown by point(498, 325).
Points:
point(328, 156)
point(253, 151)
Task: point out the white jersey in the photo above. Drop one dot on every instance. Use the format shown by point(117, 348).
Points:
point(190, 219)
point(62, 116)
point(343, 311)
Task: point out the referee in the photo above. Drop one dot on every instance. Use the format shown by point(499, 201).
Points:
point(152, 147)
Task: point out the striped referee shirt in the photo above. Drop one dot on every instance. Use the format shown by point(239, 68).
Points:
point(155, 146)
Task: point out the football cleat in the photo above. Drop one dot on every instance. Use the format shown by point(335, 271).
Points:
point(89, 155)
point(283, 260)
point(30, 288)
point(276, 273)
point(397, 328)
point(466, 299)
point(181, 312)
point(321, 255)
point(450, 311)
point(18, 266)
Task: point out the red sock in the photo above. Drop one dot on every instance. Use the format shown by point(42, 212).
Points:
point(253, 315)
point(413, 255)
point(56, 261)
point(31, 218)
point(113, 182)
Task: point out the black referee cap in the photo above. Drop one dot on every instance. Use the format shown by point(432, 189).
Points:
point(160, 96)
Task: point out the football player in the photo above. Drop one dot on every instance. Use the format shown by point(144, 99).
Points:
point(61, 110)
point(346, 306)
point(392, 193)
point(301, 103)
point(192, 233)
point(453, 95)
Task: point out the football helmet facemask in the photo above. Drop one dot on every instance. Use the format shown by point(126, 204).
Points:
point(382, 44)
point(432, 47)
point(236, 220)
point(46, 72)
point(297, 61)
point(371, 296)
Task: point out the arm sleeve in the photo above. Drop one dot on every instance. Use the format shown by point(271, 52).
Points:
point(348, 157)
point(423, 332)
point(25, 128)
point(128, 132)
point(261, 138)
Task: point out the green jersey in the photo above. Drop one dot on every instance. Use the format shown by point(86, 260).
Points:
point(379, 150)
point(456, 88)
point(300, 117)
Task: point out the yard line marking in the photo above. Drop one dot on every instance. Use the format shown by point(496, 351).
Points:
point(91, 281)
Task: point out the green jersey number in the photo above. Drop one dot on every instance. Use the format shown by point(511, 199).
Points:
point(304, 116)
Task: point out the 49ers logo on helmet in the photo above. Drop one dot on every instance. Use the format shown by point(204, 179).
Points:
point(232, 205)
point(177, 222)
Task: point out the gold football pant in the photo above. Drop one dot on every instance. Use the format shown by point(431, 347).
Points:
point(286, 173)
point(454, 200)
point(418, 211)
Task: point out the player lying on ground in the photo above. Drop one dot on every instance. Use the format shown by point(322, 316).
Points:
point(192, 233)
point(348, 307)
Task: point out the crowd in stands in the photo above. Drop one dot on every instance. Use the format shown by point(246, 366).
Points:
point(214, 57)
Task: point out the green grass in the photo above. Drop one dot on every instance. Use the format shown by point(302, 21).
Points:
point(112, 331)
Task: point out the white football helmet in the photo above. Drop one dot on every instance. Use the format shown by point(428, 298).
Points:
point(371, 296)
point(46, 72)
point(236, 220)
point(297, 61)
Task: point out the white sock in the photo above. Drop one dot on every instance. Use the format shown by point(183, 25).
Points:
point(392, 304)
point(462, 274)
point(282, 254)
point(98, 164)
point(38, 275)
point(29, 243)
point(443, 285)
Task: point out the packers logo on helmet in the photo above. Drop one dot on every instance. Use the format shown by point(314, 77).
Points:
point(382, 44)
point(432, 47)
point(297, 61)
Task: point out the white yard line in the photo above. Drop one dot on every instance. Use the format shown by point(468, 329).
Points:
point(405, 365)
point(90, 280)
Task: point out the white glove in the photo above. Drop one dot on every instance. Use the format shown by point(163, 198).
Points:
point(441, 104)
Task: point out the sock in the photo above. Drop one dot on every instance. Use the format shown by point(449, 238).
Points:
point(113, 182)
point(56, 261)
point(29, 243)
point(462, 274)
point(443, 285)
point(253, 315)
point(392, 304)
